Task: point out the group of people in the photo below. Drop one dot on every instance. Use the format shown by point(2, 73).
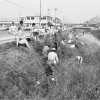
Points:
point(72, 37)
point(51, 58)
point(18, 33)
point(49, 52)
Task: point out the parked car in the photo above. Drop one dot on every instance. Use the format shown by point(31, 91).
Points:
point(27, 28)
point(3, 28)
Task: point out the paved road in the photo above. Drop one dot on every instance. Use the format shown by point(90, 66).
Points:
point(4, 34)
point(5, 37)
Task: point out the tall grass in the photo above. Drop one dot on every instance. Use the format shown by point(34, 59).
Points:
point(96, 33)
point(20, 70)
point(82, 82)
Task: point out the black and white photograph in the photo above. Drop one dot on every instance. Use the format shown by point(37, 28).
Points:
point(49, 49)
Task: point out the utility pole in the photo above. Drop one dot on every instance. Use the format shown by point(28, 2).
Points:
point(19, 13)
point(40, 14)
point(55, 15)
point(48, 12)
point(63, 19)
point(61, 15)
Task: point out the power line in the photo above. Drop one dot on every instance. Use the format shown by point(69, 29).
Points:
point(19, 5)
point(8, 5)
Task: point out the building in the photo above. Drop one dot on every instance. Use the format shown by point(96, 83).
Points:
point(8, 21)
point(28, 20)
point(57, 21)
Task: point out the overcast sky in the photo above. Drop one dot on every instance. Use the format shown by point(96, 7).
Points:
point(75, 11)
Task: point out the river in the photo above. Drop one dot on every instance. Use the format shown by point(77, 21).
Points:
point(88, 38)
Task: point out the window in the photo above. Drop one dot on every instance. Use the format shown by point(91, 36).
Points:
point(32, 18)
point(48, 18)
point(43, 18)
point(21, 18)
point(28, 18)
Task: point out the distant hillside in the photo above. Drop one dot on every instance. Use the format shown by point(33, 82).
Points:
point(94, 20)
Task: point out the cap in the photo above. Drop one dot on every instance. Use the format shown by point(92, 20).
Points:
point(72, 46)
point(53, 49)
point(69, 41)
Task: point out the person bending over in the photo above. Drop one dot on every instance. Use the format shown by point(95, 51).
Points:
point(21, 40)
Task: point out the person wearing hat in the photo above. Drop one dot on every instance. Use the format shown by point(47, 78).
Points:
point(52, 57)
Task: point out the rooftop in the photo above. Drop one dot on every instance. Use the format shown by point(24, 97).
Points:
point(10, 19)
point(34, 16)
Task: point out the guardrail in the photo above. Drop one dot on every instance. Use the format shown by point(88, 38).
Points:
point(10, 39)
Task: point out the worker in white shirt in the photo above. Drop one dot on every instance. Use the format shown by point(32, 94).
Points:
point(52, 57)
point(21, 40)
point(79, 60)
point(13, 29)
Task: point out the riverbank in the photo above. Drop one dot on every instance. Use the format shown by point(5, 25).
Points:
point(96, 33)
point(20, 70)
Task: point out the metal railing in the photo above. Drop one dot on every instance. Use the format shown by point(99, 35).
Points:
point(10, 39)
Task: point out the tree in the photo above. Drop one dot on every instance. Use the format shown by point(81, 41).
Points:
point(50, 24)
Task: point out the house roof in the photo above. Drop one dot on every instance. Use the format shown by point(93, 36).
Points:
point(34, 15)
point(57, 20)
point(9, 19)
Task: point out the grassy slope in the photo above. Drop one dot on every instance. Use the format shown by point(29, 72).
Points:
point(20, 69)
point(96, 33)
point(82, 83)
